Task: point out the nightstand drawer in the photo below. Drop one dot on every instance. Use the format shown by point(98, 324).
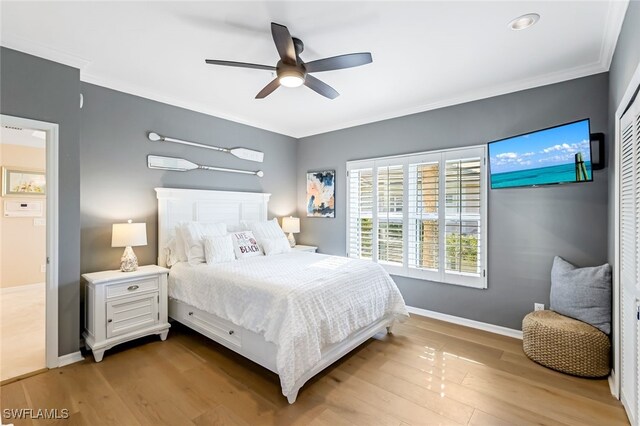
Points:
point(131, 313)
point(132, 287)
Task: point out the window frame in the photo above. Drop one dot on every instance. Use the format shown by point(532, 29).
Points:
point(441, 157)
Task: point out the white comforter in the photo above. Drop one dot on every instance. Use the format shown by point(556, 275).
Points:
point(302, 302)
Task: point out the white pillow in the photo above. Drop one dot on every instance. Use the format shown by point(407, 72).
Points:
point(180, 252)
point(193, 232)
point(245, 244)
point(218, 249)
point(170, 252)
point(273, 246)
point(268, 230)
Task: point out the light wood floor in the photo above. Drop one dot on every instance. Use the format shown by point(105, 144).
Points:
point(428, 372)
point(22, 330)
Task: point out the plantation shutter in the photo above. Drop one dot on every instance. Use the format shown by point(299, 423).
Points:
point(423, 217)
point(463, 245)
point(390, 214)
point(361, 213)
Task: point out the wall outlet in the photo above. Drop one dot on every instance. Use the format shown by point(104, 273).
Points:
point(43, 268)
point(538, 306)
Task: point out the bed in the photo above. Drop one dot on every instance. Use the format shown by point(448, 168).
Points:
point(293, 313)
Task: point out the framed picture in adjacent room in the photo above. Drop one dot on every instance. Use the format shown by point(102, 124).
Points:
point(17, 182)
point(321, 194)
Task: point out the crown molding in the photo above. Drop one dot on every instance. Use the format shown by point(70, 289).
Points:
point(613, 25)
point(42, 51)
point(614, 21)
point(485, 93)
point(136, 90)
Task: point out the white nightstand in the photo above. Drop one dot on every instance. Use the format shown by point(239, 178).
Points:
point(122, 306)
point(300, 247)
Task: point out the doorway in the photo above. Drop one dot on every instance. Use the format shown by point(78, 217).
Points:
point(28, 247)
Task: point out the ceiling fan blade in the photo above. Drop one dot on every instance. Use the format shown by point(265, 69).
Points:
point(322, 88)
point(339, 62)
point(284, 43)
point(268, 89)
point(240, 65)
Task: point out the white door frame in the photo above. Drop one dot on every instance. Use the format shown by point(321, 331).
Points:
point(614, 378)
point(51, 130)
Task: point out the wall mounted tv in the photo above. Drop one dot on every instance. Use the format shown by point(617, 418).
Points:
point(560, 154)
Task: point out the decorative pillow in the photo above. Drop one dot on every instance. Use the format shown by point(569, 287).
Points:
point(267, 230)
point(582, 293)
point(218, 249)
point(193, 232)
point(273, 246)
point(245, 244)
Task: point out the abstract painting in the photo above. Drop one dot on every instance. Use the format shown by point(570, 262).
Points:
point(321, 194)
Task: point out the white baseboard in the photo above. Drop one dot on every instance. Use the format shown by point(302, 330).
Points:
point(20, 288)
point(497, 329)
point(69, 359)
point(613, 384)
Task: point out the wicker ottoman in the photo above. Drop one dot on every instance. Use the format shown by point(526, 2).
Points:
point(565, 344)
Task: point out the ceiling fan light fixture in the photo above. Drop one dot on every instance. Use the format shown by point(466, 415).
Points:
point(524, 21)
point(291, 78)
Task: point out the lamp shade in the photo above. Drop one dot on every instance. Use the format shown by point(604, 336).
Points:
point(291, 224)
point(129, 234)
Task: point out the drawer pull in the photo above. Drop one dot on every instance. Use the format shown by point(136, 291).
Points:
point(190, 314)
point(133, 287)
point(230, 332)
point(109, 320)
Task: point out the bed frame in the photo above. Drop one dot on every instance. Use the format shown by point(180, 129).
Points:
point(178, 205)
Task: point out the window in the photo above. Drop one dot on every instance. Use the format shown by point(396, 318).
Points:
point(421, 215)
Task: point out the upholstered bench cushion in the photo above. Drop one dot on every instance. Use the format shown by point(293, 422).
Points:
point(565, 344)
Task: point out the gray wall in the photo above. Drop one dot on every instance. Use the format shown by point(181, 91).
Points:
point(42, 90)
point(527, 226)
point(117, 185)
point(625, 61)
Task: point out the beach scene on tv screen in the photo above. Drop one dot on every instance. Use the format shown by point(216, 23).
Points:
point(558, 155)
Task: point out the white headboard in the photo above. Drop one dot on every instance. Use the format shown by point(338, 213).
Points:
point(184, 205)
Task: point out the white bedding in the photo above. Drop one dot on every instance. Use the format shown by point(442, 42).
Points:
point(302, 302)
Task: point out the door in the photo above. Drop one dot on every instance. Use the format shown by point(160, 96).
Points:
point(630, 259)
point(131, 313)
point(22, 251)
point(26, 149)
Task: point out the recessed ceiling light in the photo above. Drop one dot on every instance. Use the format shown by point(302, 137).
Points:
point(524, 21)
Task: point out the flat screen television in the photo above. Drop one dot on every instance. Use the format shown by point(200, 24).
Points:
point(560, 154)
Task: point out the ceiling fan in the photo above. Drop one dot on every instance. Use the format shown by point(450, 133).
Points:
point(291, 71)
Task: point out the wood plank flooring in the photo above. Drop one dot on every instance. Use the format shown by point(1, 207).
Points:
point(427, 373)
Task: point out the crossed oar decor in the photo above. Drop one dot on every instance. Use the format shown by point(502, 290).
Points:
point(183, 165)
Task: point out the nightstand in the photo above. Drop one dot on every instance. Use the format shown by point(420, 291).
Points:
point(300, 247)
point(122, 306)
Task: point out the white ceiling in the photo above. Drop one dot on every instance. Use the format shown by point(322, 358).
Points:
point(23, 137)
point(426, 54)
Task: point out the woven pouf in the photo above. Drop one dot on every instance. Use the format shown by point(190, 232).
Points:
point(565, 344)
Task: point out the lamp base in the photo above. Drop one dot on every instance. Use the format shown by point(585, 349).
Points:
point(292, 240)
point(128, 261)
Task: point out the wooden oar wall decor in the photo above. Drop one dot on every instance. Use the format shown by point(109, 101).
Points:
point(183, 165)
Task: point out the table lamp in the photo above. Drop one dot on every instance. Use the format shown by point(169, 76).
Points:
point(291, 225)
point(129, 235)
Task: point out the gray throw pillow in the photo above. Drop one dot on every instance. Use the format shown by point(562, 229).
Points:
point(582, 293)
